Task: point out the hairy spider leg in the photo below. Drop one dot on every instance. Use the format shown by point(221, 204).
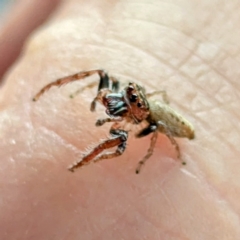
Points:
point(104, 81)
point(100, 97)
point(104, 89)
point(155, 129)
point(65, 80)
point(170, 137)
point(119, 139)
point(90, 85)
point(115, 84)
point(114, 88)
point(162, 92)
point(116, 133)
point(150, 129)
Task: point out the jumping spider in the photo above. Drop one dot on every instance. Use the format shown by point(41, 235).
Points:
point(131, 105)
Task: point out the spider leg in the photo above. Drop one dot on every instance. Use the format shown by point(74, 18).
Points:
point(150, 129)
point(100, 95)
point(162, 92)
point(115, 86)
point(171, 138)
point(65, 80)
point(104, 81)
point(122, 136)
point(90, 85)
point(144, 132)
point(119, 139)
point(102, 121)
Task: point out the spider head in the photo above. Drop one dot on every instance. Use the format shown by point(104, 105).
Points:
point(136, 100)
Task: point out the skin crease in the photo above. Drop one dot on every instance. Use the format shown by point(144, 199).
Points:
point(189, 48)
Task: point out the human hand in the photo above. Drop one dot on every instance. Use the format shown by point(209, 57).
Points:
point(188, 48)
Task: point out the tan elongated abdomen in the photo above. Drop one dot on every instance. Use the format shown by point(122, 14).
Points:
point(173, 122)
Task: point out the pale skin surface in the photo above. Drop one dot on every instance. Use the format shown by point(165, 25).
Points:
point(189, 48)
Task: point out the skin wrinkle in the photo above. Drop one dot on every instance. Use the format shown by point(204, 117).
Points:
point(169, 232)
point(214, 102)
point(216, 194)
point(120, 217)
point(60, 139)
point(172, 205)
point(169, 28)
point(186, 59)
point(213, 191)
point(225, 17)
point(126, 78)
point(214, 24)
point(173, 68)
point(210, 109)
point(209, 95)
point(144, 217)
point(230, 145)
point(206, 122)
point(226, 113)
point(155, 4)
point(193, 50)
point(188, 173)
point(134, 78)
point(114, 223)
point(166, 63)
point(110, 226)
point(168, 200)
point(235, 55)
point(227, 80)
point(146, 52)
point(102, 46)
point(235, 111)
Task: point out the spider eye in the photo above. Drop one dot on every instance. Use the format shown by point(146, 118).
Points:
point(130, 88)
point(139, 104)
point(133, 98)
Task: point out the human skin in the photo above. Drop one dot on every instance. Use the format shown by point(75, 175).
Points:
point(24, 16)
point(189, 48)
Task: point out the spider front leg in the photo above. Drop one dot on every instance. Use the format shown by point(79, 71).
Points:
point(119, 139)
point(103, 90)
point(65, 80)
point(100, 96)
point(104, 81)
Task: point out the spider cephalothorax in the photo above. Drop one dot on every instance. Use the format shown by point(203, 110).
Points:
point(138, 103)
